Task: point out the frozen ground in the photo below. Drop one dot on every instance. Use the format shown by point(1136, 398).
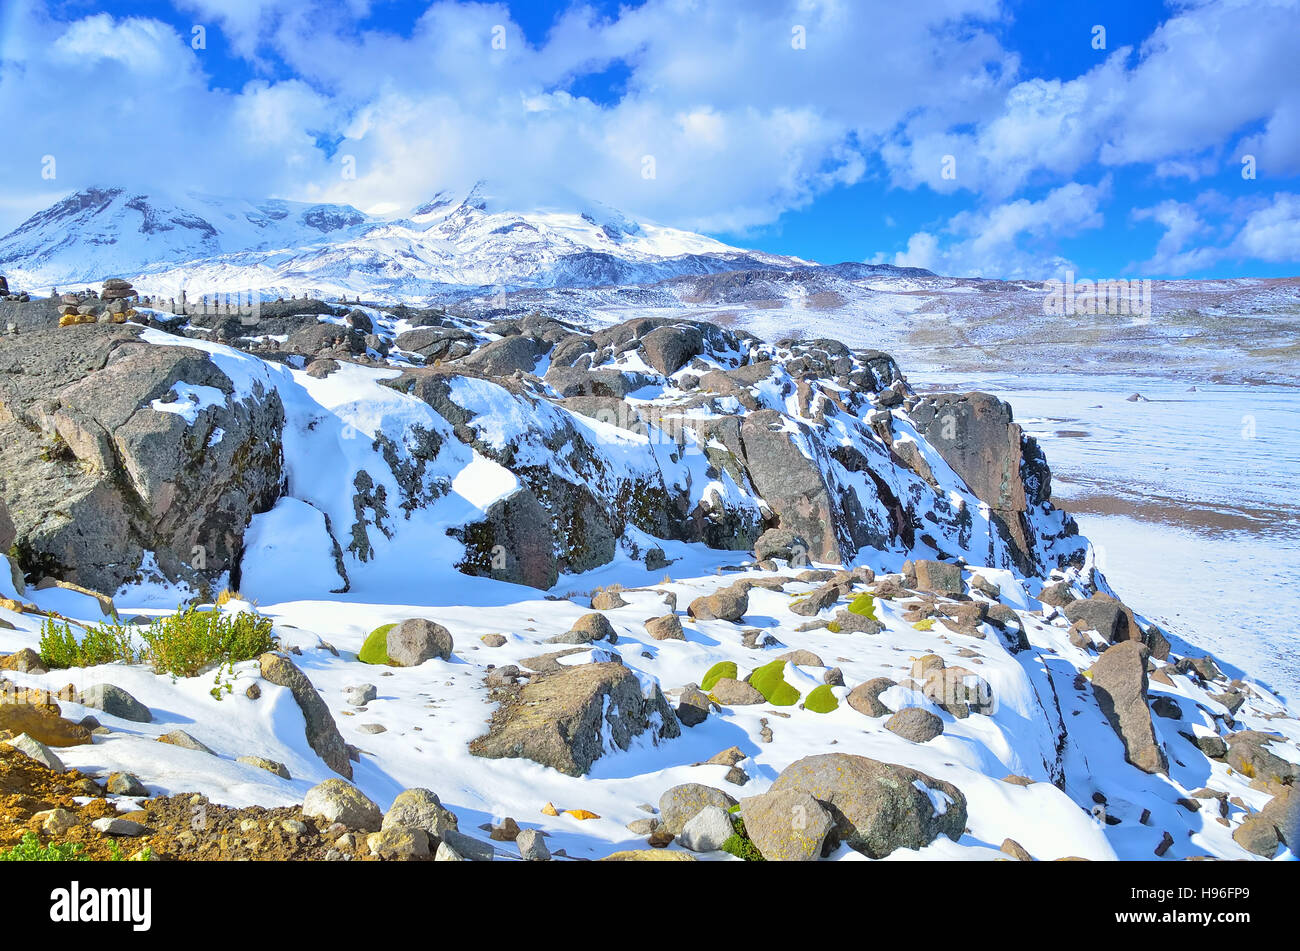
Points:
point(1191, 499)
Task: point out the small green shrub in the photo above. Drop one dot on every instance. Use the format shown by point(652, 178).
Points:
point(821, 700)
point(101, 644)
point(769, 680)
point(184, 643)
point(925, 624)
point(834, 627)
point(739, 844)
point(375, 649)
point(31, 850)
point(864, 605)
point(181, 644)
point(715, 673)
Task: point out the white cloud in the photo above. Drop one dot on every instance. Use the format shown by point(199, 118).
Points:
point(1011, 240)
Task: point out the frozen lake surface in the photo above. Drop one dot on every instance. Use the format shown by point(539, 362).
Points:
point(1190, 496)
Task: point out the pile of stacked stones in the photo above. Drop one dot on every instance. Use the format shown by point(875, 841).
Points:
point(5, 295)
point(86, 307)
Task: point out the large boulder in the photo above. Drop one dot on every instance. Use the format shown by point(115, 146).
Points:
point(416, 640)
point(786, 825)
point(726, 604)
point(1101, 614)
point(784, 544)
point(563, 719)
point(878, 807)
point(1251, 753)
point(139, 448)
point(1119, 682)
point(420, 809)
point(322, 733)
point(336, 801)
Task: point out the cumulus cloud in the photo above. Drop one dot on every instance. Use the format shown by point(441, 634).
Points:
point(724, 122)
point(1010, 240)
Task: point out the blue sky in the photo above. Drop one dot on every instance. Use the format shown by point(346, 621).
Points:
point(1003, 139)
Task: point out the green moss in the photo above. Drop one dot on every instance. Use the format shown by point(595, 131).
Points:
point(834, 627)
point(769, 680)
point(821, 700)
point(715, 673)
point(739, 844)
point(864, 605)
point(926, 624)
point(375, 649)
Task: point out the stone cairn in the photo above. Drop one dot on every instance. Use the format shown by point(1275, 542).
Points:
point(110, 306)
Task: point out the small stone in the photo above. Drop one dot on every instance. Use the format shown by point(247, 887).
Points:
point(372, 728)
point(1016, 850)
point(113, 826)
point(532, 846)
point(254, 692)
point(398, 844)
point(37, 751)
point(270, 765)
point(184, 741)
point(493, 640)
point(359, 695)
point(125, 784)
point(56, 822)
point(505, 831)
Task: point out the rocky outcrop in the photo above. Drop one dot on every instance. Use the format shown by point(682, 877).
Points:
point(561, 719)
point(976, 435)
point(1119, 682)
point(95, 474)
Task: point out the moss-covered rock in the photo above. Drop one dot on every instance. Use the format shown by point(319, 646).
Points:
point(715, 673)
point(864, 605)
point(375, 649)
point(821, 700)
point(769, 680)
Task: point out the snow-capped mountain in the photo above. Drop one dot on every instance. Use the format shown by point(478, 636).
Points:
point(163, 243)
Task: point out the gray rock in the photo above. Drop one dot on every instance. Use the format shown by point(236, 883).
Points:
point(417, 640)
point(1098, 614)
point(337, 801)
point(446, 853)
point(865, 697)
point(532, 846)
point(123, 827)
point(271, 766)
point(680, 804)
point(186, 742)
point(878, 807)
point(360, 694)
point(784, 544)
point(916, 724)
point(418, 808)
point(116, 702)
point(1017, 851)
point(1119, 682)
point(726, 604)
point(802, 658)
point(707, 830)
point(786, 825)
point(36, 750)
point(666, 628)
point(128, 478)
point(851, 623)
point(322, 733)
point(693, 706)
point(819, 600)
point(125, 784)
point(468, 847)
point(561, 719)
point(588, 628)
point(736, 693)
point(939, 577)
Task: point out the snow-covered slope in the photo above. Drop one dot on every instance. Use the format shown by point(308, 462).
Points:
point(168, 242)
